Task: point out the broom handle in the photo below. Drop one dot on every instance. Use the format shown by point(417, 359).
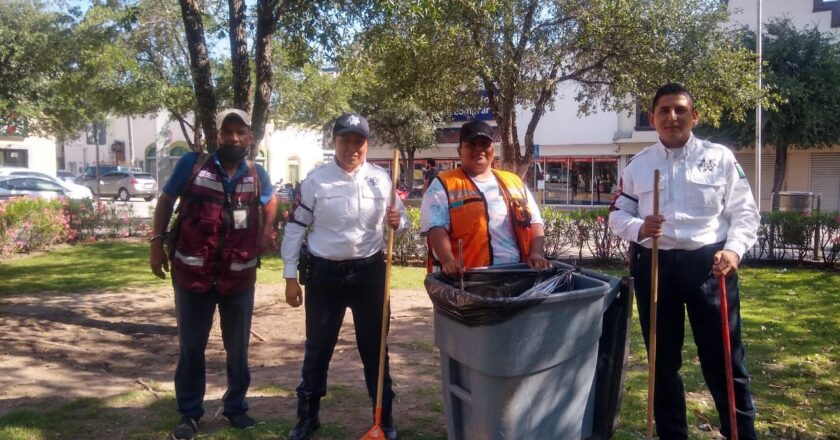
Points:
point(654, 301)
point(727, 357)
point(386, 303)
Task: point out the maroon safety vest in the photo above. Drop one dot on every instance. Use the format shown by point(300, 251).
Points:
point(210, 249)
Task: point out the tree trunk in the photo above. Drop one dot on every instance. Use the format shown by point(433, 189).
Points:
point(779, 170)
point(266, 25)
point(185, 131)
point(198, 136)
point(409, 174)
point(205, 94)
point(240, 62)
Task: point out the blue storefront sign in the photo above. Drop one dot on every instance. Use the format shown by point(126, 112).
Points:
point(470, 114)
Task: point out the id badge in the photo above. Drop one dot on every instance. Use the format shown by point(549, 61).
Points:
point(240, 218)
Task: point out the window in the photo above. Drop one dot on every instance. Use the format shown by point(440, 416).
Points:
point(642, 122)
point(15, 158)
point(45, 185)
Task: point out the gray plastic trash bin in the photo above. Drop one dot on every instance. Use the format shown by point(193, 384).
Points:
point(531, 377)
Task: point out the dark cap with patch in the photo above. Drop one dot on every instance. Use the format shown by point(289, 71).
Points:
point(475, 129)
point(351, 123)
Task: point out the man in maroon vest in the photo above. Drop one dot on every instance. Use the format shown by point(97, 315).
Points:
point(227, 209)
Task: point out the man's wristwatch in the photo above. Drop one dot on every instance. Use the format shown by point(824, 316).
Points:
point(157, 236)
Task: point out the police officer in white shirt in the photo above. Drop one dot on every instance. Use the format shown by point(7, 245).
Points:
point(708, 219)
point(345, 204)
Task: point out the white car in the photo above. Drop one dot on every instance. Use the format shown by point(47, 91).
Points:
point(70, 189)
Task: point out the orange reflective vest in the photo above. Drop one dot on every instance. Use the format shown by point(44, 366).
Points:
point(469, 219)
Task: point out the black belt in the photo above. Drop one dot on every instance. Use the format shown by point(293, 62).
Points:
point(349, 264)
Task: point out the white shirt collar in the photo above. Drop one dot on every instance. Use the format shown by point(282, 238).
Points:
point(686, 148)
point(351, 174)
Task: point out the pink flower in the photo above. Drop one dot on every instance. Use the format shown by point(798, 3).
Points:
point(600, 219)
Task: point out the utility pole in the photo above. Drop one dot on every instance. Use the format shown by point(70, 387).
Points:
point(96, 142)
point(130, 152)
point(758, 39)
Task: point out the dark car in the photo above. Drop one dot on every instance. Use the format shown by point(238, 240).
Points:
point(66, 176)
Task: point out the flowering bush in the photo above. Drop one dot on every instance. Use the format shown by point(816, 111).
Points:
point(28, 224)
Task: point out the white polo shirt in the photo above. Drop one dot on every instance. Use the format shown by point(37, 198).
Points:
point(346, 212)
point(704, 196)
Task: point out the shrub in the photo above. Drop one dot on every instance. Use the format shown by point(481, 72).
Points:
point(409, 246)
point(561, 234)
point(596, 235)
point(28, 224)
point(828, 239)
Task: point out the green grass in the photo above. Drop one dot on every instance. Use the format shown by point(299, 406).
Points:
point(119, 264)
point(94, 266)
point(791, 327)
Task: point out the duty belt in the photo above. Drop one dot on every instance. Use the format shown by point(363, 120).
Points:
point(350, 264)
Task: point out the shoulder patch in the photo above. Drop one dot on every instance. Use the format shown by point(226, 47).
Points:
point(741, 172)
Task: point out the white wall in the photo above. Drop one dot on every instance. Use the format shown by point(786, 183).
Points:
point(144, 130)
point(563, 126)
point(40, 152)
point(291, 145)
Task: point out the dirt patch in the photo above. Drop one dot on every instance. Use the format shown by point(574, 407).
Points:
point(57, 348)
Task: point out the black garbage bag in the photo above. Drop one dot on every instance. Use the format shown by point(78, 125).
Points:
point(494, 294)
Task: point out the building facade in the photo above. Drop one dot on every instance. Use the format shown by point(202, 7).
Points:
point(155, 143)
point(581, 157)
point(19, 149)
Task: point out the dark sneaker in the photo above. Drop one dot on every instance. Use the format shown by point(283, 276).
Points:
point(186, 429)
point(241, 421)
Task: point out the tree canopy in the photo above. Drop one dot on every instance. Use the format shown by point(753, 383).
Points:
point(613, 53)
point(803, 71)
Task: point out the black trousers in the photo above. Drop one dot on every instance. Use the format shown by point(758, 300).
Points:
point(331, 288)
point(686, 284)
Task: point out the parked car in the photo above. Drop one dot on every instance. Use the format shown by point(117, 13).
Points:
point(123, 185)
point(66, 176)
point(90, 172)
point(33, 186)
point(73, 190)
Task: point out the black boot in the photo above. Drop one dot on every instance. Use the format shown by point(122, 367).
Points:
point(307, 418)
point(388, 426)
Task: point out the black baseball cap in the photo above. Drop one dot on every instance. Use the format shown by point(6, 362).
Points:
point(351, 123)
point(474, 129)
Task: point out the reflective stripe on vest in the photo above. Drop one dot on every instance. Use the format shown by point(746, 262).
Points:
point(212, 252)
point(189, 261)
point(237, 266)
point(215, 185)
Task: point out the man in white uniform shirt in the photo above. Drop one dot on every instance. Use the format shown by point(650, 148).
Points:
point(345, 204)
point(708, 220)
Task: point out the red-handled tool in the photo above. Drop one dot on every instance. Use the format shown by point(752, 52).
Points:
point(727, 358)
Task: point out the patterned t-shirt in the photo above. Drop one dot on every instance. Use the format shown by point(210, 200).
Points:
point(434, 212)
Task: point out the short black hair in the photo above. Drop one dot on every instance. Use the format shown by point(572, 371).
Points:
point(671, 89)
point(430, 162)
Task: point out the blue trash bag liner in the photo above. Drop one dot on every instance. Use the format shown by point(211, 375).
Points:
point(494, 294)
